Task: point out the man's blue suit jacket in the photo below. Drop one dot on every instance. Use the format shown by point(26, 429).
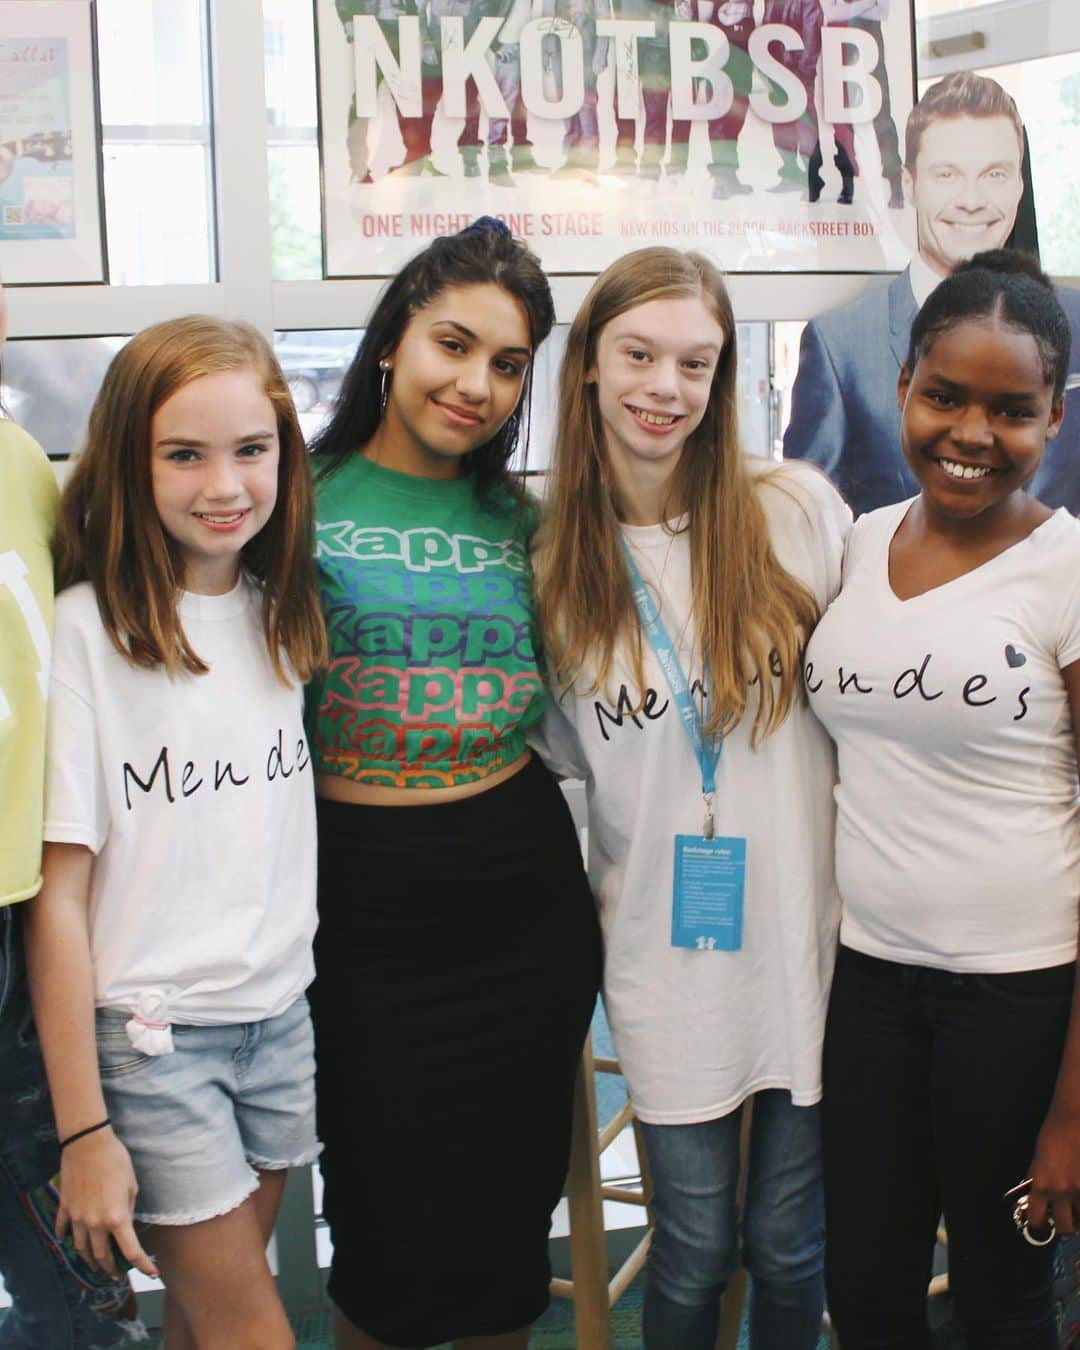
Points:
point(844, 414)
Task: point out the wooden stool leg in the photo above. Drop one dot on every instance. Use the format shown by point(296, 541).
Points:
point(731, 1311)
point(588, 1246)
point(643, 1167)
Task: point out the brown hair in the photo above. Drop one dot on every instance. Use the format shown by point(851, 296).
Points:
point(110, 531)
point(749, 615)
point(961, 94)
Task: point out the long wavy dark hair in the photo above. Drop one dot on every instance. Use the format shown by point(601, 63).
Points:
point(485, 253)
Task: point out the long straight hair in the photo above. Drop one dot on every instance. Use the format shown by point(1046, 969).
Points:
point(749, 616)
point(112, 536)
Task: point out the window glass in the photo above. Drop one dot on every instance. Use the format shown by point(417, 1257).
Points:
point(151, 59)
point(785, 343)
point(51, 383)
point(153, 239)
point(292, 142)
point(295, 212)
point(155, 114)
point(314, 362)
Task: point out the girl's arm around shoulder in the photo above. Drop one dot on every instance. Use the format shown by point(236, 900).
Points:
point(803, 506)
point(528, 511)
point(97, 1183)
point(555, 739)
point(517, 512)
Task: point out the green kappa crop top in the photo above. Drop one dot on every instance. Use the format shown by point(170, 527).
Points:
point(426, 588)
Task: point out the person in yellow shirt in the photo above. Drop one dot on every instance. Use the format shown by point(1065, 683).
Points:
point(58, 1304)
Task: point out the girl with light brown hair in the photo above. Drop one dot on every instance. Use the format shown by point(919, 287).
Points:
point(678, 580)
point(170, 946)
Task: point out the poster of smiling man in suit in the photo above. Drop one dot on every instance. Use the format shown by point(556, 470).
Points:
point(964, 165)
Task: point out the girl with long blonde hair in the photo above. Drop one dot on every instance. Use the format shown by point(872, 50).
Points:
point(678, 580)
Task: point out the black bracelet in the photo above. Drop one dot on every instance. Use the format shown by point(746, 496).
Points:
point(81, 1134)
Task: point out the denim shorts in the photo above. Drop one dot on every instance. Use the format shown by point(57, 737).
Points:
point(199, 1121)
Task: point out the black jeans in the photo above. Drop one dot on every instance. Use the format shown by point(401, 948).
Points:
point(54, 1307)
point(935, 1087)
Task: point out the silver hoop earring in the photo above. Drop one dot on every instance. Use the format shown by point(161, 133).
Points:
point(384, 386)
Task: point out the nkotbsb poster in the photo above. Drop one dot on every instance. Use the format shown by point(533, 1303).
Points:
point(767, 133)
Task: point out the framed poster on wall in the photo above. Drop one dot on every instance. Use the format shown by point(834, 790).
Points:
point(767, 133)
point(51, 218)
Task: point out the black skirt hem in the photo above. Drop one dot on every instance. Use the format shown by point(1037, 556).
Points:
point(493, 1320)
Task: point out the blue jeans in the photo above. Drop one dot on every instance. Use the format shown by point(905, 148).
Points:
point(52, 1309)
point(696, 1238)
point(936, 1085)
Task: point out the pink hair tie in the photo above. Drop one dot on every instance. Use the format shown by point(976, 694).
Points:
point(149, 1030)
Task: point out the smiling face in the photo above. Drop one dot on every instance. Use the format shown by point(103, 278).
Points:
point(214, 473)
point(966, 188)
point(977, 412)
point(653, 374)
point(455, 377)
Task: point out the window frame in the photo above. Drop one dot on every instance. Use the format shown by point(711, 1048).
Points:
point(246, 286)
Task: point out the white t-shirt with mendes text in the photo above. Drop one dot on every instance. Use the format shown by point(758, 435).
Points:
point(958, 833)
point(196, 795)
point(696, 1032)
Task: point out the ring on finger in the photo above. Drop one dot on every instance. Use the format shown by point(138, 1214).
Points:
point(1020, 1219)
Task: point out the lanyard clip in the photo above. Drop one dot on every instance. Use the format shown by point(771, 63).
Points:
point(709, 828)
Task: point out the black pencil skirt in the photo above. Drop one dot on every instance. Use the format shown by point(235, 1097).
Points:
point(458, 962)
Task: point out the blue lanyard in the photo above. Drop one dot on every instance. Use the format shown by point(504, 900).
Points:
point(707, 753)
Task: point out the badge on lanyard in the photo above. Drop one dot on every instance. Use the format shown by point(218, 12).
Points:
point(707, 906)
point(710, 872)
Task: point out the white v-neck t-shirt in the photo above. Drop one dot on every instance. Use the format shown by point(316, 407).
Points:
point(958, 832)
point(696, 1033)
